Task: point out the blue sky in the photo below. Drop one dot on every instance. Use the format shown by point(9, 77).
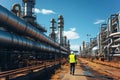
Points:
point(81, 17)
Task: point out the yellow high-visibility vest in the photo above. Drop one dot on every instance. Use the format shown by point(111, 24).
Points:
point(72, 58)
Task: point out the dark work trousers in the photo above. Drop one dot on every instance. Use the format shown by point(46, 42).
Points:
point(72, 68)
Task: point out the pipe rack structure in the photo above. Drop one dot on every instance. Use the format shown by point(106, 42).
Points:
point(23, 35)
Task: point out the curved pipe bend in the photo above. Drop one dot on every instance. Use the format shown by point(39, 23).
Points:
point(14, 9)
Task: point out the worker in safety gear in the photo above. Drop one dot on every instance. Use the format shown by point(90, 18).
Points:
point(72, 61)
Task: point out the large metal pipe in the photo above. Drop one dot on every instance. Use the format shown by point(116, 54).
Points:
point(19, 26)
point(11, 41)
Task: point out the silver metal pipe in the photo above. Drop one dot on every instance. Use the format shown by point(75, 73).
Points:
point(19, 26)
point(11, 41)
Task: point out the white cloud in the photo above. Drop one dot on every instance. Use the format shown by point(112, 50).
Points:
point(99, 21)
point(36, 10)
point(43, 11)
point(71, 34)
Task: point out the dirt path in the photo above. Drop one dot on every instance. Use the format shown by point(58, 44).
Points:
point(83, 71)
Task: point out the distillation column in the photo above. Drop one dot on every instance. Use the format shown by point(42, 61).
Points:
point(28, 10)
point(52, 29)
point(60, 29)
point(83, 47)
point(65, 41)
point(68, 46)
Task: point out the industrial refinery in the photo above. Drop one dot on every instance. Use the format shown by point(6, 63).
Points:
point(106, 45)
point(29, 52)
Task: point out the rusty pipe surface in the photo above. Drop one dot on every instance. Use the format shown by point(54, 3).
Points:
point(14, 9)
